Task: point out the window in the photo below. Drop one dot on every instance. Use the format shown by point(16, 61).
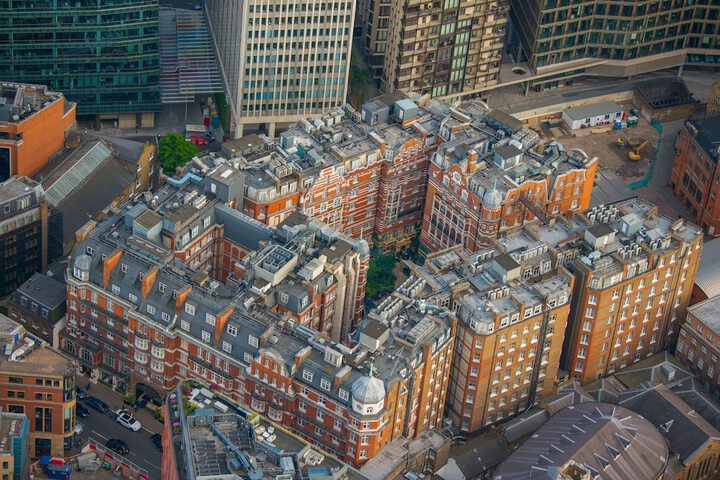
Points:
point(205, 336)
point(232, 330)
point(210, 319)
point(307, 375)
point(151, 309)
point(185, 325)
point(132, 297)
point(124, 267)
point(324, 384)
point(115, 289)
point(344, 395)
point(165, 316)
point(161, 287)
point(227, 347)
point(252, 341)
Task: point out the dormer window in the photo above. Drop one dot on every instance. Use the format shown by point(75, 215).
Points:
point(89, 250)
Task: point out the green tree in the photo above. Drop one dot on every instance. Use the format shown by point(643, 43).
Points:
point(360, 79)
point(175, 152)
point(380, 275)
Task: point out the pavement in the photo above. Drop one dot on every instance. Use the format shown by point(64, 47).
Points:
point(114, 400)
point(658, 191)
point(102, 427)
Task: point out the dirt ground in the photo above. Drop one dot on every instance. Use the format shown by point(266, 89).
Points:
point(604, 146)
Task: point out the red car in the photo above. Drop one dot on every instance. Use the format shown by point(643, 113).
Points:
point(198, 140)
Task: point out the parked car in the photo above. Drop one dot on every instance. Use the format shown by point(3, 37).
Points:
point(198, 140)
point(80, 393)
point(117, 445)
point(126, 419)
point(81, 411)
point(157, 441)
point(96, 404)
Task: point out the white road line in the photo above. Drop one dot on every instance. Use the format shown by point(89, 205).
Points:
point(152, 464)
point(101, 436)
point(133, 454)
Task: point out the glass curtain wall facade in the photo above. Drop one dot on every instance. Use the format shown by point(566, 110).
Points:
point(632, 36)
point(102, 54)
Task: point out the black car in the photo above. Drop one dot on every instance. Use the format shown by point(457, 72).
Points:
point(81, 411)
point(118, 446)
point(157, 441)
point(80, 393)
point(96, 404)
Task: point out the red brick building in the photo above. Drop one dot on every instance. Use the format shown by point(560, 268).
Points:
point(694, 176)
point(40, 383)
point(34, 123)
point(699, 344)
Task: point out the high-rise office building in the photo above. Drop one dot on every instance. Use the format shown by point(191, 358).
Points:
point(434, 47)
point(102, 54)
point(281, 61)
point(561, 40)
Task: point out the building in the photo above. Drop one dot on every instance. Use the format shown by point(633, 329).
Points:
point(281, 62)
point(488, 176)
point(634, 270)
point(70, 182)
point(706, 280)
point(364, 174)
point(435, 49)
point(590, 440)
point(664, 100)
point(225, 441)
point(426, 454)
point(666, 393)
point(34, 123)
point(506, 312)
point(25, 232)
point(604, 113)
point(694, 170)
point(559, 42)
point(39, 306)
point(14, 446)
point(698, 347)
point(40, 383)
point(147, 308)
point(118, 36)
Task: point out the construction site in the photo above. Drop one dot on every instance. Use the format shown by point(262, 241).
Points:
point(628, 152)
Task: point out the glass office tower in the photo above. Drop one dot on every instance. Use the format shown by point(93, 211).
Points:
point(102, 54)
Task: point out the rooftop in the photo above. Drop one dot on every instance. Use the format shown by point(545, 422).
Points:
point(19, 101)
point(396, 453)
point(17, 187)
point(592, 110)
point(11, 425)
point(25, 354)
point(226, 439)
point(708, 135)
point(708, 312)
point(608, 441)
point(708, 272)
point(44, 290)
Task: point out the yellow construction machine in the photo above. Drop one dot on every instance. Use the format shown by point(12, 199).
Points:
point(634, 155)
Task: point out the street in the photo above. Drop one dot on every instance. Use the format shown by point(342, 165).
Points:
point(103, 427)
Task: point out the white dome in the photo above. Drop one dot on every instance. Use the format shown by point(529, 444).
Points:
point(368, 390)
point(83, 262)
point(492, 199)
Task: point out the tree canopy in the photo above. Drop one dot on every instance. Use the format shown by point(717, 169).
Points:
point(175, 152)
point(380, 277)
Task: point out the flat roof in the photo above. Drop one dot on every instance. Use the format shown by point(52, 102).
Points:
point(708, 312)
point(44, 290)
point(609, 188)
point(593, 110)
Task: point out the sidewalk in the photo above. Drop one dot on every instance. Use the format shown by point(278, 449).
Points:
point(114, 401)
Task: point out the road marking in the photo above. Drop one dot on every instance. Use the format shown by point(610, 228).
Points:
point(152, 464)
point(133, 454)
point(101, 436)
